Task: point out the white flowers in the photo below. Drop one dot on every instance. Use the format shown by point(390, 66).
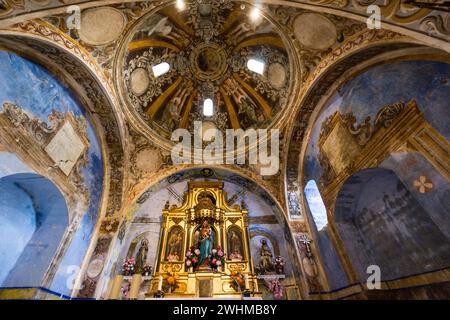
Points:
point(218, 263)
point(197, 251)
point(214, 251)
point(188, 263)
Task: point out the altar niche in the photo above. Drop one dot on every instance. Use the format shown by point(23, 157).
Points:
point(204, 247)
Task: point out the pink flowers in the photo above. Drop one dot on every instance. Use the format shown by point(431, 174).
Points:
point(279, 265)
point(217, 259)
point(277, 288)
point(173, 257)
point(192, 256)
point(235, 256)
point(128, 267)
point(125, 290)
point(219, 251)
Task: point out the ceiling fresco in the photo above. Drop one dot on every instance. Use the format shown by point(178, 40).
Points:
point(207, 49)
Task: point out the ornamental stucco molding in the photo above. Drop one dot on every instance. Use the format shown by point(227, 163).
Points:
point(421, 23)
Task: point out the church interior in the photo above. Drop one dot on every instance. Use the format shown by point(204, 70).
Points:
point(354, 95)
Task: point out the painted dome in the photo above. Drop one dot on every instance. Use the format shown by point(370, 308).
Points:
point(222, 63)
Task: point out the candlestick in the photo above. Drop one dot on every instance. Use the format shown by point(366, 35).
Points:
point(116, 286)
point(160, 283)
point(135, 286)
point(247, 284)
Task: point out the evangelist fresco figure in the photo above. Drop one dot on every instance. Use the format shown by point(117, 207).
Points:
point(171, 114)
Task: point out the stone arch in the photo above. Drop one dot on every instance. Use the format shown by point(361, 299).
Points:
point(219, 173)
point(174, 173)
point(230, 176)
point(34, 218)
point(135, 243)
point(357, 53)
point(75, 67)
point(264, 233)
point(421, 23)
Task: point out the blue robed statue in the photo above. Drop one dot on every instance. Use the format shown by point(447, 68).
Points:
point(205, 240)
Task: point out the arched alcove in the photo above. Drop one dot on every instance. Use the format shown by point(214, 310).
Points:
point(328, 152)
point(148, 212)
point(381, 223)
point(135, 244)
point(264, 216)
point(34, 217)
point(46, 94)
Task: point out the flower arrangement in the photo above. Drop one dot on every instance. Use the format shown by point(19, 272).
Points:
point(238, 281)
point(173, 257)
point(276, 288)
point(147, 270)
point(129, 266)
point(217, 259)
point(124, 290)
point(279, 265)
point(171, 281)
point(236, 257)
point(192, 257)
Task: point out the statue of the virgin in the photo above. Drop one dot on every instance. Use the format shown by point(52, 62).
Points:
point(141, 256)
point(205, 242)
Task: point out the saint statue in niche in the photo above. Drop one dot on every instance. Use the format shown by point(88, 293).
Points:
point(205, 242)
point(175, 244)
point(265, 262)
point(235, 244)
point(141, 256)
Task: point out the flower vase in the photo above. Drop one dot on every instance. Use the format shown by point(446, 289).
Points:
point(191, 269)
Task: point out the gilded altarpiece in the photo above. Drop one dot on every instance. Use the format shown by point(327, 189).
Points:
point(205, 224)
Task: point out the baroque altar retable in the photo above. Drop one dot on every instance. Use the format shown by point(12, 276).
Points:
point(204, 248)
